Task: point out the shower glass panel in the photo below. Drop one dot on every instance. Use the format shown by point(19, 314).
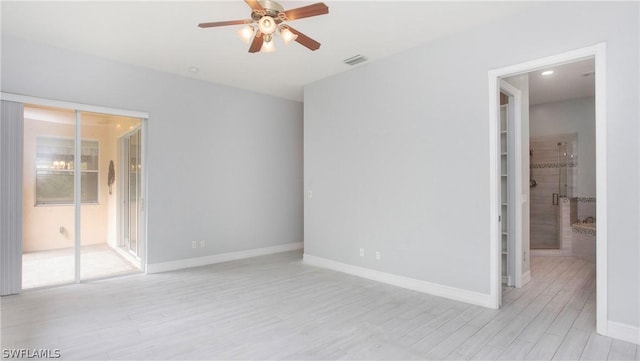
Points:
point(545, 195)
point(552, 167)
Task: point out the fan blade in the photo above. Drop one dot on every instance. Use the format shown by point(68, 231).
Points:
point(305, 40)
point(224, 23)
point(254, 4)
point(256, 44)
point(307, 11)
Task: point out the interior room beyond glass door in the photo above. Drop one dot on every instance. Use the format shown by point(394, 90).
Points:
point(49, 165)
point(101, 255)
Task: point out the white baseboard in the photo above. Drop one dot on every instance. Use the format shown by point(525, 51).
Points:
point(435, 289)
point(219, 258)
point(623, 332)
point(526, 277)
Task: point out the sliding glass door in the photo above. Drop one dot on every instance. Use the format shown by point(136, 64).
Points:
point(72, 190)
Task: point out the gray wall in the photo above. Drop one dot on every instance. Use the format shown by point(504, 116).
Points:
point(225, 165)
point(397, 151)
point(567, 117)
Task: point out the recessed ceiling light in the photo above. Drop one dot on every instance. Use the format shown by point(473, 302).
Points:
point(547, 72)
point(193, 69)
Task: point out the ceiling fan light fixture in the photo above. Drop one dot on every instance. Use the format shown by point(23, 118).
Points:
point(267, 45)
point(267, 25)
point(287, 35)
point(246, 33)
point(267, 17)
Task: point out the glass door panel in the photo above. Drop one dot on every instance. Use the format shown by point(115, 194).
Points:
point(101, 255)
point(48, 243)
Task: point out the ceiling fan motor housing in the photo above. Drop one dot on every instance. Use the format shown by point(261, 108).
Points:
point(271, 8)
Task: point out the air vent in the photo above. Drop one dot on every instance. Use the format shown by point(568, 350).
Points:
point(355, 60)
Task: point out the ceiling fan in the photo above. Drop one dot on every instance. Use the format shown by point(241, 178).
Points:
point(269, 17)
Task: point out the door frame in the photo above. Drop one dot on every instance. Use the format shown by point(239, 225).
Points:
point(515, 98)
point(598, 53)
point(123, 152)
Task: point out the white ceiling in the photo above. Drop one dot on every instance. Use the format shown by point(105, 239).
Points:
point(164, 35)
point(568, 81)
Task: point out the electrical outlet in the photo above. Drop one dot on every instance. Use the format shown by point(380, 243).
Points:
point(203, 244)
point(310, 194)
point(194, 244)
point(378, 255)
point(361, 252)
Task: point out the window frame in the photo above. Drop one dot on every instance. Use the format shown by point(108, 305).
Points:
point(71, 201)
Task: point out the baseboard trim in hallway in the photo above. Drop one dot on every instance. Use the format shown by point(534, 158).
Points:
point(456, 294)
point(526, 277)
point(219, 258)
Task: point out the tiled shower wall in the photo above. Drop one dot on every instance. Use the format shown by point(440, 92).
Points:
point(545, 170)
point(586, 208)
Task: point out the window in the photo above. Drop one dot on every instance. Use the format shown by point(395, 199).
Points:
point(54, 171)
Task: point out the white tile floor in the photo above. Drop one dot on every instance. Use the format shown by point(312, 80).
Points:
point(52, 267)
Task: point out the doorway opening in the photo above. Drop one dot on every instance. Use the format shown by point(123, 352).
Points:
point(562, 160)
point(75, 209)
point(568, 185)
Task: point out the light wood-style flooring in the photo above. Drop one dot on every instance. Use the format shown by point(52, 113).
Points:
point(275, 307)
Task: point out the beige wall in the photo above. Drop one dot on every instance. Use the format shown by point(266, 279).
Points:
point(42, 224)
